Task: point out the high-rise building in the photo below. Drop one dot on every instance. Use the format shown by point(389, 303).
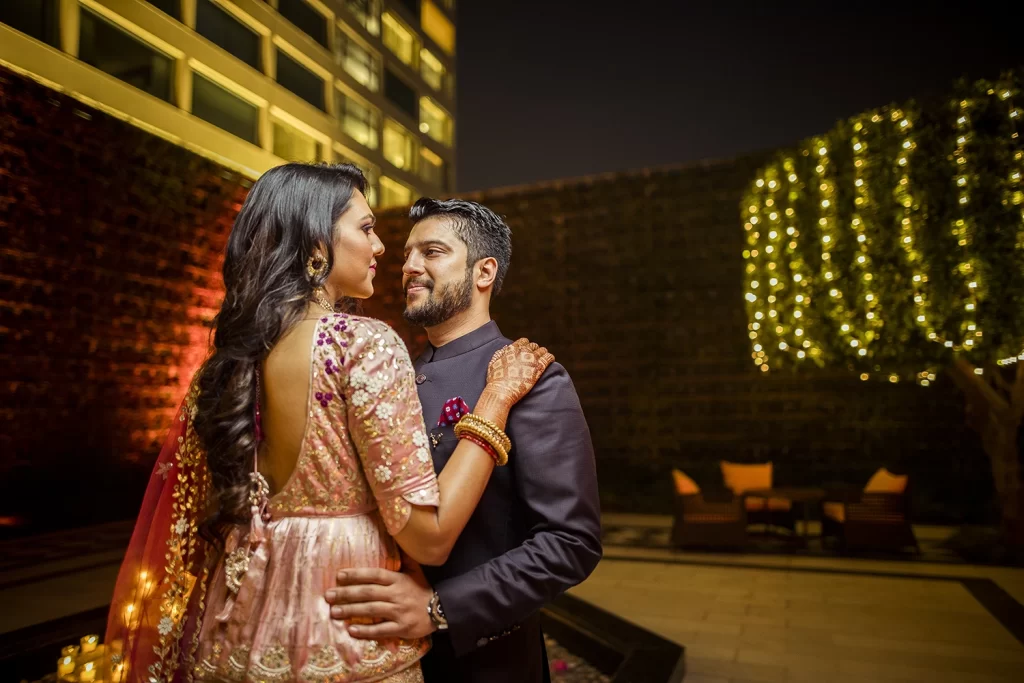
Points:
point(254, 83)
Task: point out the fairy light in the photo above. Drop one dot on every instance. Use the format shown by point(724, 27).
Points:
point(794, 210)
point(963, 229)
point(777, 285)
point(1013, 193)
point(802, 331)
point(903, 194)
point(827, 229)
point(755, 295)
point(864, 130)
point(1011, 360)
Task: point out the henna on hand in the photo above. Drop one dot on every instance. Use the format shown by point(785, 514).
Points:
point(515, 369)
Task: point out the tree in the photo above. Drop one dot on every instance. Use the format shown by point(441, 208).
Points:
point(893, 246)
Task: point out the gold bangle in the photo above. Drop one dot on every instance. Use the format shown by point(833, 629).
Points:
point(501, 455)
point(484, 445)
point(495, 435)
point(484, 435)
point(487, 424)
point(482, 432)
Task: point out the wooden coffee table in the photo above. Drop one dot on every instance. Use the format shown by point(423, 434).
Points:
point(805, 496)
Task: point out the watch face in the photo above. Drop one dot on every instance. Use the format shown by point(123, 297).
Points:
point(436, 613)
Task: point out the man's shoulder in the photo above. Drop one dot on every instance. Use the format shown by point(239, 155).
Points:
point(553, 391)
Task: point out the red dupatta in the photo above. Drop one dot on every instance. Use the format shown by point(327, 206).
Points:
point(156, 613)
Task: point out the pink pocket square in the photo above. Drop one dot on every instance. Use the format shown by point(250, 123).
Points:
point(454, 409)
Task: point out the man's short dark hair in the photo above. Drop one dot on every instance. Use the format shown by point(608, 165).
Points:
point(483, 231)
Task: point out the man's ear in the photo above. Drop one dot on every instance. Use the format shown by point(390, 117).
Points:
point(486, 272)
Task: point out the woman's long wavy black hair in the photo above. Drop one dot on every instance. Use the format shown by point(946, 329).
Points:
point(289, 212)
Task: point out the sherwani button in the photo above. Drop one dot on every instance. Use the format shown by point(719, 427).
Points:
point(421, 378)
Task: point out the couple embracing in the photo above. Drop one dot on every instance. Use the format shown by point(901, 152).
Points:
point(327, 510)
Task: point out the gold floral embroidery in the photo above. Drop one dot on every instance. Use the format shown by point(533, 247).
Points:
point(273, 666)
point(189, 492)
point(356, 400)
point(325, 666)
point(235, 566)
point(336, 474)
point(378, 660)
point(238, 664)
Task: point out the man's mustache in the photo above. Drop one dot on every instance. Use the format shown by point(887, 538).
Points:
point(428, 284)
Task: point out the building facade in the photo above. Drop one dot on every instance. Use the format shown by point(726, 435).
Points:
point(252, 84)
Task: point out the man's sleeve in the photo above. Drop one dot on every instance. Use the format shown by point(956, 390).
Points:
point(556, 478)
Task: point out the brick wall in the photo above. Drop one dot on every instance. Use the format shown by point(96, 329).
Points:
point(111, 250)
point(111, 246)
point(634, 281)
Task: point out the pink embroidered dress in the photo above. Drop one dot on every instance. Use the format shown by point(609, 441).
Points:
point(364, 461)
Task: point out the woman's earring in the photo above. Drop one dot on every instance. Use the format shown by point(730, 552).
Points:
point(316, 266)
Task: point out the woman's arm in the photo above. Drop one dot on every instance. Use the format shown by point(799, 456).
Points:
point(432, 531)
point(424, 513)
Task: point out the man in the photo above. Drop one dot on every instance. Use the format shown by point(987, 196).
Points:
point(537, 529)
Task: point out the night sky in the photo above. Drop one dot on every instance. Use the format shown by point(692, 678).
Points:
point(559, 89)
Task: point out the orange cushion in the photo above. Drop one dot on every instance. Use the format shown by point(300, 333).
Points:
point(885, 481)
point(836, 511)
point(684, 485)
point(740, 478)
point(755, 504)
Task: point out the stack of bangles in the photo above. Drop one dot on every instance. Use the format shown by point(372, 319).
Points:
point(486, 435)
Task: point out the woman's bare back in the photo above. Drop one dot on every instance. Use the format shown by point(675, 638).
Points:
point(285, 403)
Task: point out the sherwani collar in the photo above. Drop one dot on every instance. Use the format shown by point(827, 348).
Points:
point(464, 344)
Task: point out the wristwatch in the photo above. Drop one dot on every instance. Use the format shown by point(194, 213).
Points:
point(437, 613)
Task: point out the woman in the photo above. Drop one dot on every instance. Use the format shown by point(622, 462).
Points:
point(300, 450)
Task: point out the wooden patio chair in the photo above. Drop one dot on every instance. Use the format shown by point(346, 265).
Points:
point(877, 518)
point(770, 512)
point(706, 520)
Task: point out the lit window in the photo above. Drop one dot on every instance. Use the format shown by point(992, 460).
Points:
point(372, 185)
point(399, 39)
point(431, 69)
point(111, 49)
point(300, 80)
point(358, 62)
point(399, 146)
point(432, 169)
point(394, 193)
point(359, 120)
point(292, 144)
point(436, 25)
point(224, 109)
point(307, 19)
point(366, 13)
point(370, 172)
point(435, 122)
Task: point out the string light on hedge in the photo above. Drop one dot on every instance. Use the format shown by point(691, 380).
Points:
point(760, 334)
point(903, 123)
point(828, 231)
point(859, 142)
point(884, 181)
point(802, 338)
point(963, 229)
point(1014, 192)
point(776, 279)
point(1011, 360)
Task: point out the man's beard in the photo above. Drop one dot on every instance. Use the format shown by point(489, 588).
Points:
point(450, 301)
